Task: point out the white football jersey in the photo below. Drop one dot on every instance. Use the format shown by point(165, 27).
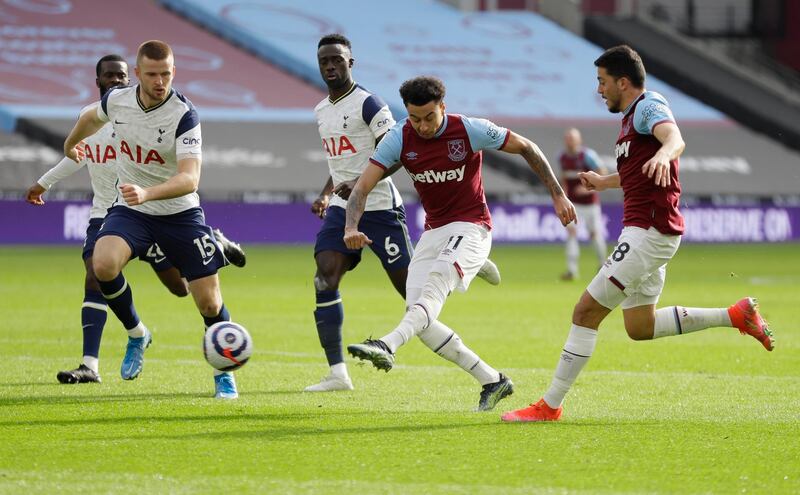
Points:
point(150, 142)
point(349, 127)
point(100, 160)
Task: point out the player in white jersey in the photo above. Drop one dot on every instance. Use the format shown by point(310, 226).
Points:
point(100, 161)
point(351, 122)
point(158, 162)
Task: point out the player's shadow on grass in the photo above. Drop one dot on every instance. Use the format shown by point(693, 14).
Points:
point(30, 384)
point(284, 433)
point(155, 420)
point(97, 398)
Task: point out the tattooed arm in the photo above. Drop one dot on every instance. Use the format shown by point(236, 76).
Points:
point(519, 145)
point(354, 239)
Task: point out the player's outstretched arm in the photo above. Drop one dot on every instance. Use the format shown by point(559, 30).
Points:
point(519, 145)
point(672, 146)
point(356, 204)
point(88, 123)
point(62, 170)
point(184, 182)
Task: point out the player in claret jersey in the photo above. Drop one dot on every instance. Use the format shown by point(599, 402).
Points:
point(351, 121)
point(573, 160)
point(100, 158)
point(443, 154)
point(158, 164)
point(647, 150)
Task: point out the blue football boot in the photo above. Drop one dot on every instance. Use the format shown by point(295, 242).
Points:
point(225, 386)
point(134, 356)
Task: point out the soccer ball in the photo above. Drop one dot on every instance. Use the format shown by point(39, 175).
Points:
point(227, 346)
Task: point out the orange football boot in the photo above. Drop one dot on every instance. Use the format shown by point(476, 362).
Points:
point(535, 412)
point(744, 315)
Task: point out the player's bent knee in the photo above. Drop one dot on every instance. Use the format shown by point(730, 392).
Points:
point(638, 332)
point(209, 308)
point(588, 312)
point(325, 282)
point(181, 290)
point(104, 268)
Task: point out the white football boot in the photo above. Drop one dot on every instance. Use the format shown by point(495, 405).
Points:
point(331, 383)
point(490, 272)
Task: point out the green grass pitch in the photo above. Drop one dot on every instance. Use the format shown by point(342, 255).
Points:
point(710, 412)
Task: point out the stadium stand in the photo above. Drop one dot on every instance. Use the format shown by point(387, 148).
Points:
point(508, 66)
point(256, 87)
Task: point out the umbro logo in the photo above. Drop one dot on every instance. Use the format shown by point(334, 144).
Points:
point(411, 155)
point(118, 122)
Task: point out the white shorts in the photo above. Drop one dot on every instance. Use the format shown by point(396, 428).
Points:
point(590, 218)
point(461, 244)
point(634, 273)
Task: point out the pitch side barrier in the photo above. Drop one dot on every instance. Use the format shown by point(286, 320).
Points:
point(65, 223)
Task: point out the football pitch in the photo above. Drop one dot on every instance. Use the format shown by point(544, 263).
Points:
point(710, 412)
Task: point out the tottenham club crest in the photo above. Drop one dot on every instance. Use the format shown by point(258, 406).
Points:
point(456, 150)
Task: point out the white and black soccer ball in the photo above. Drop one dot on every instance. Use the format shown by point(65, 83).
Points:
point(227, 346)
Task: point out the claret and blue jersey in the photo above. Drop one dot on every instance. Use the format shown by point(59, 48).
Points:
point(646, 204)
point(446, 169)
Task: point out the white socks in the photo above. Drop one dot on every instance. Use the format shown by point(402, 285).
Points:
point(137, 331)
point(445, 342)
point(421, 312)
point(92, 363)
point(677, 320)
point(339, 370)
point(573, 254)
point(412, 323)
point(577, 351)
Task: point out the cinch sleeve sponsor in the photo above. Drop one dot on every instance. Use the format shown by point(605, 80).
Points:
point(376, 114)
point(591, 159)
point(189, 143)
point(484, 134)
point(651, 111)
point(388, 151)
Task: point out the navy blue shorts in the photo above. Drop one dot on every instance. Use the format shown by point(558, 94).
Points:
point(154, 256)
point(386, 228)
point(184, 239)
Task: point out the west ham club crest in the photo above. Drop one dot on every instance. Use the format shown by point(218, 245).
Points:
point(456, 150)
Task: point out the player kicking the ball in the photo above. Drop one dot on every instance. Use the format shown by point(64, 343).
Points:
point(443, 154)
point(351, 122)
point(647, 152)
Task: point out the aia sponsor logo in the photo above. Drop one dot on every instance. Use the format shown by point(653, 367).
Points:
point(99, 154)
point(139, 155)
point(337, 149)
